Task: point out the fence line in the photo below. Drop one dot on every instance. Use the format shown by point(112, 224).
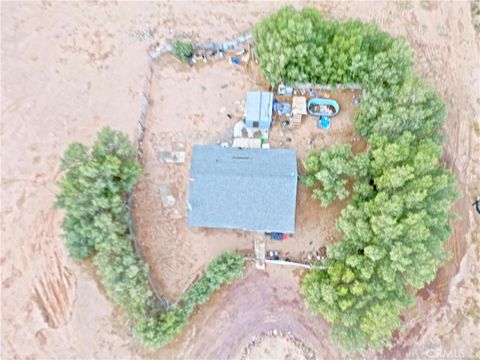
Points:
point(139, 150)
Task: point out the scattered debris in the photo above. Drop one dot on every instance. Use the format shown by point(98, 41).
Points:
point(244, 143)
point(145, 34)
point(175, 157)
point(282, 108)
point(239, 129)
point(284, 90)
point(308, 353)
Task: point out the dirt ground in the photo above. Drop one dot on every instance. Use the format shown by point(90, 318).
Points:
point(259, 303)
point(177, 253)
point(68, 69)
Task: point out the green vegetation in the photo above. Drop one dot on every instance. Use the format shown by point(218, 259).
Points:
point(182, 50)
point(302, 46)
point(93, 193)
point(160, 330)
point(329, 167)
point(396, 225)
point(393, 241)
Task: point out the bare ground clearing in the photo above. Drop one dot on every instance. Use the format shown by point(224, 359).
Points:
point(202, 109)
point(69, 69)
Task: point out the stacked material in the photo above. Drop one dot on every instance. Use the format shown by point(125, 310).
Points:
point(299, 108)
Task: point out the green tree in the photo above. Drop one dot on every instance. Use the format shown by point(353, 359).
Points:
point(396, 226)
point(94, 189)
point(301, 46)
point(393, 240)
point(330, 168)
point(412, 106)
point(93, 192)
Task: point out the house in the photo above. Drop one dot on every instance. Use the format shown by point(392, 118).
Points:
point(246, 189)
point(258, 112)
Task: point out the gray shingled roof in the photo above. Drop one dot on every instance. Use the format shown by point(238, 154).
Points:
point(247, 189)
point(259, 107)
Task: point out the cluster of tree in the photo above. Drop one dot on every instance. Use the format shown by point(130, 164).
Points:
point(330, 168)
point(396, 225)
point(93, 193)
point(393, 240)
point(302, 46)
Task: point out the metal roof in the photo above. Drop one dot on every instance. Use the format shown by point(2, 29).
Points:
point(247, 189)
point(259, 106)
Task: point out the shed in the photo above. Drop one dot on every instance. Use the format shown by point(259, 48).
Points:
point(259, 110)
point(246, 189)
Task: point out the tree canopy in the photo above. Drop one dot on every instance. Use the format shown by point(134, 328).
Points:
point(330, 168)
point(396, 225)
point(393, 240)
point(93, 192)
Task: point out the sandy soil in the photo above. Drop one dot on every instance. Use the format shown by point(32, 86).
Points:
point(69, 69)
point(260, 302)
point(178, 254)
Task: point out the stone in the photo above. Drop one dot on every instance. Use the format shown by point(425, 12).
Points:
point(175, 157)
point(168, 200)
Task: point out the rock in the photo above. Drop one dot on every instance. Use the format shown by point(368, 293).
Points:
point(176, 157)
point(168, 200)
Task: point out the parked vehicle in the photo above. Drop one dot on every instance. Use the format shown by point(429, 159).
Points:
point(277, 236)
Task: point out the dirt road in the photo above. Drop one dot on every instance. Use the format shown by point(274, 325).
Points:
point(69, 69)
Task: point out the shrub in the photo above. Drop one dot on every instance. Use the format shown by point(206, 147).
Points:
point(159, 330)
point(182, 50)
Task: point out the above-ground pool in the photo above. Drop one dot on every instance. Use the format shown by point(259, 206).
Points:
point(322, 107)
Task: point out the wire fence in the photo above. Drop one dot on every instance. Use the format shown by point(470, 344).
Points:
point(139, 137)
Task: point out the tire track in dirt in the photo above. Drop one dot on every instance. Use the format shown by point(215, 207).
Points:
point(54, 288)
point(258, 303)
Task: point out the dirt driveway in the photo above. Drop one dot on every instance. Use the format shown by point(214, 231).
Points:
point(260, 302)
